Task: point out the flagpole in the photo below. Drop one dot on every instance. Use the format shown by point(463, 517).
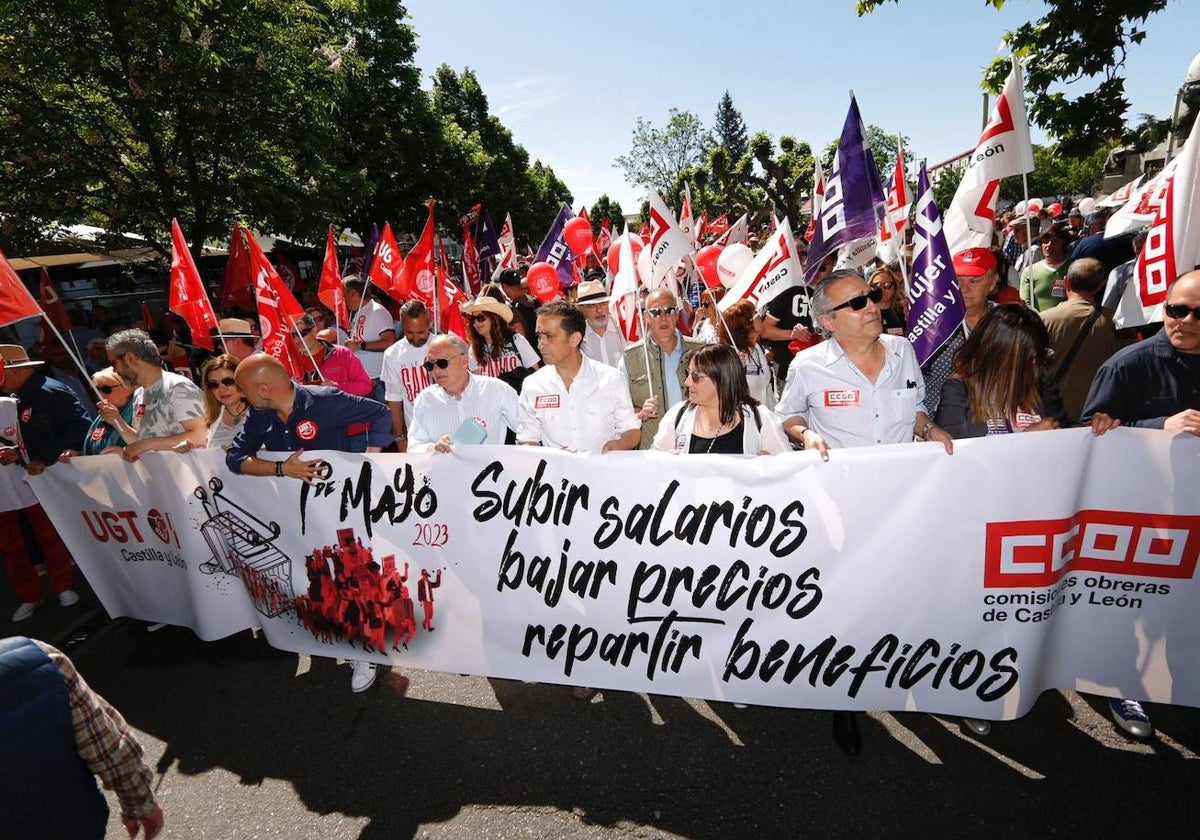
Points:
point(1028, 239)
point(646, 349)
point(307, 352)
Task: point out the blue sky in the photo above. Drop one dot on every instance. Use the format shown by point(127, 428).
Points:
point(571, 79)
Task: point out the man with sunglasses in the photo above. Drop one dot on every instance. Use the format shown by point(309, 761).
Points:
point(861, 387)
point(1154, 384)
point(655, 367)
point(455, 396)
point(286, 417)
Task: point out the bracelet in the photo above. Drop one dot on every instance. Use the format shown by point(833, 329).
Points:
point(279, 469)
point(924, 433)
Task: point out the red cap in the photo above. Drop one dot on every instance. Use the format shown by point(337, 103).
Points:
point(974, 262)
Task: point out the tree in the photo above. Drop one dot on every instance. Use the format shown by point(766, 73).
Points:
point(765, 176)
point(730, 129)
point(1055, 174)
point(1072, 45)
point(605, 208)
point(128, 114)
point(659, 155)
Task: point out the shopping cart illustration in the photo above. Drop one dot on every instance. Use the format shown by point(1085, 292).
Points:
point(243, 545)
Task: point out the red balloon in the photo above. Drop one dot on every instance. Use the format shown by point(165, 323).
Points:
point(1055, 210)
point(706, 264)
point(543, 281)
point(614, 253)
point(578, 233)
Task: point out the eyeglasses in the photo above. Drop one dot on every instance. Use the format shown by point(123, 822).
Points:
point(214, 384)
point(859, 302)
point(886, 285)
point(658, 313)
point(1180, 311)
point(107, 389)
point(440, 364)
point(696, 375)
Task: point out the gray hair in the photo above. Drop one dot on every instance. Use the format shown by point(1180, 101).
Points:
point(820, 307)
point(137, 342)
point(455, 341)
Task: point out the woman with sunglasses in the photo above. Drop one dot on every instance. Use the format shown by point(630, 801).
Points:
point(719, 416)
point(738, 328)
point(704, 327)
point(893, 306)
point(117, 422)
point(495, 349)
point(224, 404)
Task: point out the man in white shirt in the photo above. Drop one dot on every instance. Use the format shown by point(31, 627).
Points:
point(172, 408)
point(602, 342)
point(572, 402)
point(372, 330)
point(455, 396)
point(402, 371)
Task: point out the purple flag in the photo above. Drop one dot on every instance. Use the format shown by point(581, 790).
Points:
point(935, 299)
point(554, 248)
point(489, 244)
point(369, 252)
point(854, 202)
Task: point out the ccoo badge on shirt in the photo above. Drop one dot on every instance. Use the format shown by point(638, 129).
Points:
point(844, 398)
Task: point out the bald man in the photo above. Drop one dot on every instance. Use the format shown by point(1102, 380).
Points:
point(286, 417)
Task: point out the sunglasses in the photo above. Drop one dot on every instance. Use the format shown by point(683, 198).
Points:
point(440, 364)
point(696, 375)
point(1180, 311)
point(107, 389)
point(886, 285)
point(859, 302)
point(658, 313)
point(213, 385)
point(480, 318)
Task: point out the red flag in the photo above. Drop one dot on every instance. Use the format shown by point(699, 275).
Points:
point(718, 225)
point(52, 304)
point(16, 303)
point(604, 240)
point(387, 263)
point(416, 278)
point(278, 310)
point(188, 299)
point(147, 318)
point(237, 292)
point(330, 292)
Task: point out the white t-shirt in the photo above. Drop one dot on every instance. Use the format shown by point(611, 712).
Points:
point(14, 492)
point(524, 356)
point(369, 322)
point(595, 410)
point(403, 376)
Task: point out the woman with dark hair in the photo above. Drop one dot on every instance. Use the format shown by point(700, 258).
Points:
point(224, 404)
point(737, 327)
point(893, 308)
point(1000, 382)
point(495, 349)
point(719, 416)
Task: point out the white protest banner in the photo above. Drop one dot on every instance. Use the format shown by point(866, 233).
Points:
point(892, 577)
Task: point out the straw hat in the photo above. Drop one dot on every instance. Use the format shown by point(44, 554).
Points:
point(591, 291)
point(484, 303)
point(14, 357)
point(235, 328)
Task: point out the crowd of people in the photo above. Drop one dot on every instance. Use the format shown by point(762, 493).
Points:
point(822, 367)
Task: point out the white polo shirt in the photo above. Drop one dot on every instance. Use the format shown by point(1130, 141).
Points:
point(403, 374)
point(437, 414)
point(841, 405)
point(594, 411)
point(368, 322)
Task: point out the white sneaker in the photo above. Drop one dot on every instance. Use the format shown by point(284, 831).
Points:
point(362, 676)
point(68, 598)
point(25, 610)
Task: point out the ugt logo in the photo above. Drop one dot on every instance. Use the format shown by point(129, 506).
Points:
point(1037, 553)
point(122, 526)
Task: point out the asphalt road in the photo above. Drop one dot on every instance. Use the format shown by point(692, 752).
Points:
point(250, 742)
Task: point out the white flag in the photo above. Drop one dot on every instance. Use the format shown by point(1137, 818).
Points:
point(687, 220)
point(1003, 150)
point(508, 244)
point(625, 290)
point(1120, 195)
point(775, 268)
point(1139, 210)
point(668, 243)
point(899, 200)
point(737, 232)
point(1172, 244)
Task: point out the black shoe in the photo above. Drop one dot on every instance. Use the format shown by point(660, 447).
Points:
point(845, 732)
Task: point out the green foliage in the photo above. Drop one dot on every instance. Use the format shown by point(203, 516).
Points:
point(658, 156)
point(730, 128)
point(944, 187)
point(1055, 174)
point(606, 208)
point(1072, 44)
